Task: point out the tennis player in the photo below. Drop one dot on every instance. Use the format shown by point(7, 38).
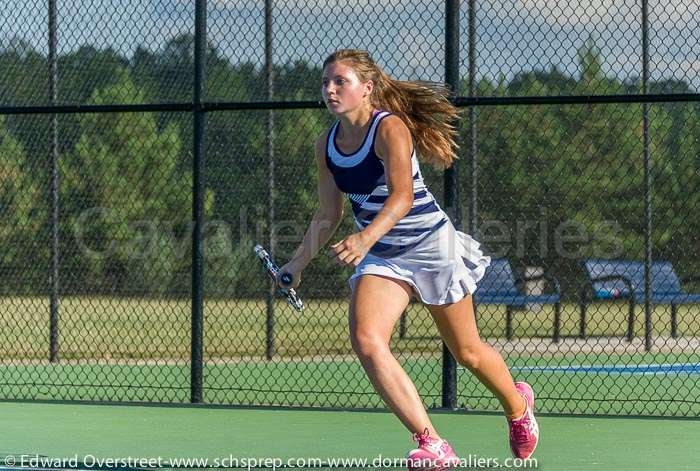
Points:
point(405, 245)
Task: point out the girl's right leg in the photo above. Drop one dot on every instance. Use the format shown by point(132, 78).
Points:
point(376, 304)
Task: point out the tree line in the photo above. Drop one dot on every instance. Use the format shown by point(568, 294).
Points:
point(555, 183)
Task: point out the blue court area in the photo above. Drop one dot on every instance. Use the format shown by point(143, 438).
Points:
point(652, 369)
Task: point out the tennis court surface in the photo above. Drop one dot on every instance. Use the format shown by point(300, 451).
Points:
point(87, 436)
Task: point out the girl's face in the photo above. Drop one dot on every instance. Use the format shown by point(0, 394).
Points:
point(342, 89)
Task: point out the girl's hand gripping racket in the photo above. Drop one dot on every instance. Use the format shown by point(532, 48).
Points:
point(272, 269)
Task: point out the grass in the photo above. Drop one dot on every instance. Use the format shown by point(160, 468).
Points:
point(107, 328)
point(116, 349)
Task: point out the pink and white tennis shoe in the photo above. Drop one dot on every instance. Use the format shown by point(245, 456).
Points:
point(524, 431)
point(432, 454)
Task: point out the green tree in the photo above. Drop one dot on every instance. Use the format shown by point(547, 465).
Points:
point(675, 152)
point(548, 173)
point(127, 205)
point(24, 257)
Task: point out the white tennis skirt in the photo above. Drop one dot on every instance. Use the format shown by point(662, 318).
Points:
point(442, 269)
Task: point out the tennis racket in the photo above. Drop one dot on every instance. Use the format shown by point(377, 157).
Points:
point(272, 269)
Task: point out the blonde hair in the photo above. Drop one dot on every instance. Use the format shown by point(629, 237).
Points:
point(423, 106)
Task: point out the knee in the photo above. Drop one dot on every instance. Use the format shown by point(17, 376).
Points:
point(469, 356)
point(367, 344)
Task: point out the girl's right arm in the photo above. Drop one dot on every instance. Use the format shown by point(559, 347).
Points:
point(325, 221)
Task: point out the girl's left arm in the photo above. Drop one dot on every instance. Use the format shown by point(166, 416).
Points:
point(393, 145)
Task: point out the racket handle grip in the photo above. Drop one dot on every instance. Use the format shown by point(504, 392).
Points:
point(286, 278)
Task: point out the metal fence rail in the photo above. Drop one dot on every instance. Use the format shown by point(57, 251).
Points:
point(144, 150)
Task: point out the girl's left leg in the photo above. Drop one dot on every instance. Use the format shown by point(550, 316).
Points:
point(457, 325)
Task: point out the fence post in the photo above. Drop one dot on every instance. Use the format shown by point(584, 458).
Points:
point(647, 180)
point(198, 204)
point(55, 280)
point(270, 322)
point(471, 150)
point(449, 366)
point(471, 157)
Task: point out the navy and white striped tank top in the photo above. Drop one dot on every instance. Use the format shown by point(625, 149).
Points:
point(361, 177)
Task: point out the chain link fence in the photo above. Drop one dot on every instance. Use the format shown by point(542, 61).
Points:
point(580, 158)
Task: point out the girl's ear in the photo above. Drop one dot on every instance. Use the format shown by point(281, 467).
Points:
point(369, 87)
